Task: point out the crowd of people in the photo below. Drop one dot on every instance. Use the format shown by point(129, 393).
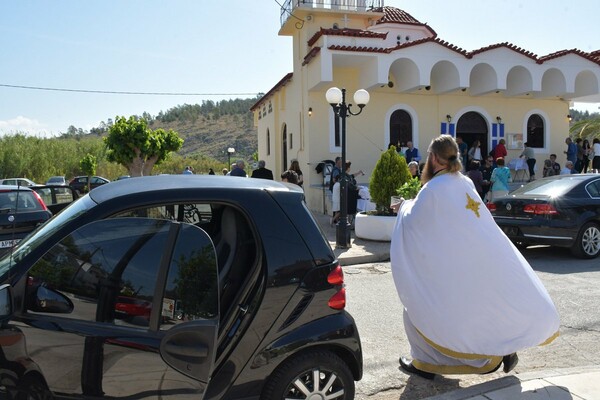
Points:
point(238, 168)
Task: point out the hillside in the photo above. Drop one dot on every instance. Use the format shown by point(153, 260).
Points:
point(212, 137)
point(210, 128)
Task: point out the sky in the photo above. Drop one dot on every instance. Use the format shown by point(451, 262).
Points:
point(216, 50)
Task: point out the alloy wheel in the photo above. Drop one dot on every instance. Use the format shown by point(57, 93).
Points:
point(316, 384)
point(590, 240)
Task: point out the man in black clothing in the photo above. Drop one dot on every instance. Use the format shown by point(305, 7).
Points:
point(486, 170)
point(261, 172)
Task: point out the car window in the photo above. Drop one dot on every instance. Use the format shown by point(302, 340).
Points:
point(199, 214)
point(191, 289)
point(553, 188)
point(23, 201)
point(233, 238)
point(61, 195)
point(593, 188)
point(109, 269)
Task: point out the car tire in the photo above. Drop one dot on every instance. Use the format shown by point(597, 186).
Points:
point(33, 388)
point(587, 244)
point(295, 378)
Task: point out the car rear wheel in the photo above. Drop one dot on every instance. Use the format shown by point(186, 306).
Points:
point(312, 375)
point(588, 241)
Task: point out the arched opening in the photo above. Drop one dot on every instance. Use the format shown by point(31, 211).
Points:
point(472, 126)
point(401, 128)
point(268, 142)
point(284, 148)
point(535, 131)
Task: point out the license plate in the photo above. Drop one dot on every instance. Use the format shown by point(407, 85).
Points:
point(8, 243)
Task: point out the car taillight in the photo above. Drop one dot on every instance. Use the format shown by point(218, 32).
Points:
point(338, 300)
point(336, 278)
point(540, 209)
point(491, 207)
point(39, 199)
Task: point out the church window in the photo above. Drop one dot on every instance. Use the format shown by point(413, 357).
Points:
point(535, 131)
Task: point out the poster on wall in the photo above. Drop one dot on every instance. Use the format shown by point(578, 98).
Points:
point(515, 140)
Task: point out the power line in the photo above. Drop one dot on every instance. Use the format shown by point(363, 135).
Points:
point(124, 92)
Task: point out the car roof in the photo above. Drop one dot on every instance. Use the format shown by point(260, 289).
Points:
point(16, 179)
point(148, 184)
point(6, 188)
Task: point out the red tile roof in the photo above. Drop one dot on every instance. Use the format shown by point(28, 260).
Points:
point(311, 54)
point(346, 32)
point(280, 84)
point(393, 15)
point(508, 46)
point(562, 53)
point(388, 50)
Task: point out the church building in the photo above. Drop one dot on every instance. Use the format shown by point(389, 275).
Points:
point(420, 86)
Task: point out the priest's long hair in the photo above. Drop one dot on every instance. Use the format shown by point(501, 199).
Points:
point(446, 151)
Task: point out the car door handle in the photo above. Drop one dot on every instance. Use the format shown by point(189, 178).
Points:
point(195, 351)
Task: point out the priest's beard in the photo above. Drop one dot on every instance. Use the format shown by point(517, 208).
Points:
point(428, 171)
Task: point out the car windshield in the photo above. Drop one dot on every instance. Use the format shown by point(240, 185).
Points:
point(44, 231)
point(551, 187)
point(19, 201)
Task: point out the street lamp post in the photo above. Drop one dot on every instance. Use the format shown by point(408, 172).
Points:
point(230, 151)
point(337, 99)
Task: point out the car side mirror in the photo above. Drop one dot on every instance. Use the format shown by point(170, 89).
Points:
point(50, 301)
point(6, 306)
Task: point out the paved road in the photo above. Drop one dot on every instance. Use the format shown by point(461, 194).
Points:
point(573, 284)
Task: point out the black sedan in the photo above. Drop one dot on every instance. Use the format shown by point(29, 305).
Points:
point(178, 287)
point(560, 211)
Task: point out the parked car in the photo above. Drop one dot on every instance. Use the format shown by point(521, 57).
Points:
point(236, 294)
point(561, 210)
point(21, 211)
point(17, 182)
point(56, 197)
point(80, 183)
point(123, 177)
point(56, 180)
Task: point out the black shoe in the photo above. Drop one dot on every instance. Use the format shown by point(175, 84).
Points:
point(510, 362)
point(407, 366)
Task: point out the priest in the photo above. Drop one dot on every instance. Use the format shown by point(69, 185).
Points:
point(471, 300)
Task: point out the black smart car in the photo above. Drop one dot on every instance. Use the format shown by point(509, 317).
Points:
point(178, 287)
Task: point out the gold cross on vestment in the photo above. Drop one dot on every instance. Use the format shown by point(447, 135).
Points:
point(472, 205)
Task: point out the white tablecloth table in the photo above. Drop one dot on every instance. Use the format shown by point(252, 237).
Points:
point(519, 165)
point(365, 205)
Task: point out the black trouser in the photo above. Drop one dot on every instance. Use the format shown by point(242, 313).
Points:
point(531, 164)
point(586, 164)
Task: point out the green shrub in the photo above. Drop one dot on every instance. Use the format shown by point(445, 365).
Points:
point(390, 173)
point(410, 189)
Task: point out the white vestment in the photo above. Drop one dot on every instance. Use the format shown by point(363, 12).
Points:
point(467, 290)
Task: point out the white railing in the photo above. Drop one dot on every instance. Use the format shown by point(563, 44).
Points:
point(350, 5)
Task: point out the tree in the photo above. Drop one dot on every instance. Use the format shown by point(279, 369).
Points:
point(131, 143)
point(586, 129)
point(390, 173)
point(88, 165)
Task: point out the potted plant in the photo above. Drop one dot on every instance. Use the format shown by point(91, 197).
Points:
point(390, 173)
point(410, 189)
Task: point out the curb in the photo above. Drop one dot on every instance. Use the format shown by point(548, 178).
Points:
point(512, 380)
